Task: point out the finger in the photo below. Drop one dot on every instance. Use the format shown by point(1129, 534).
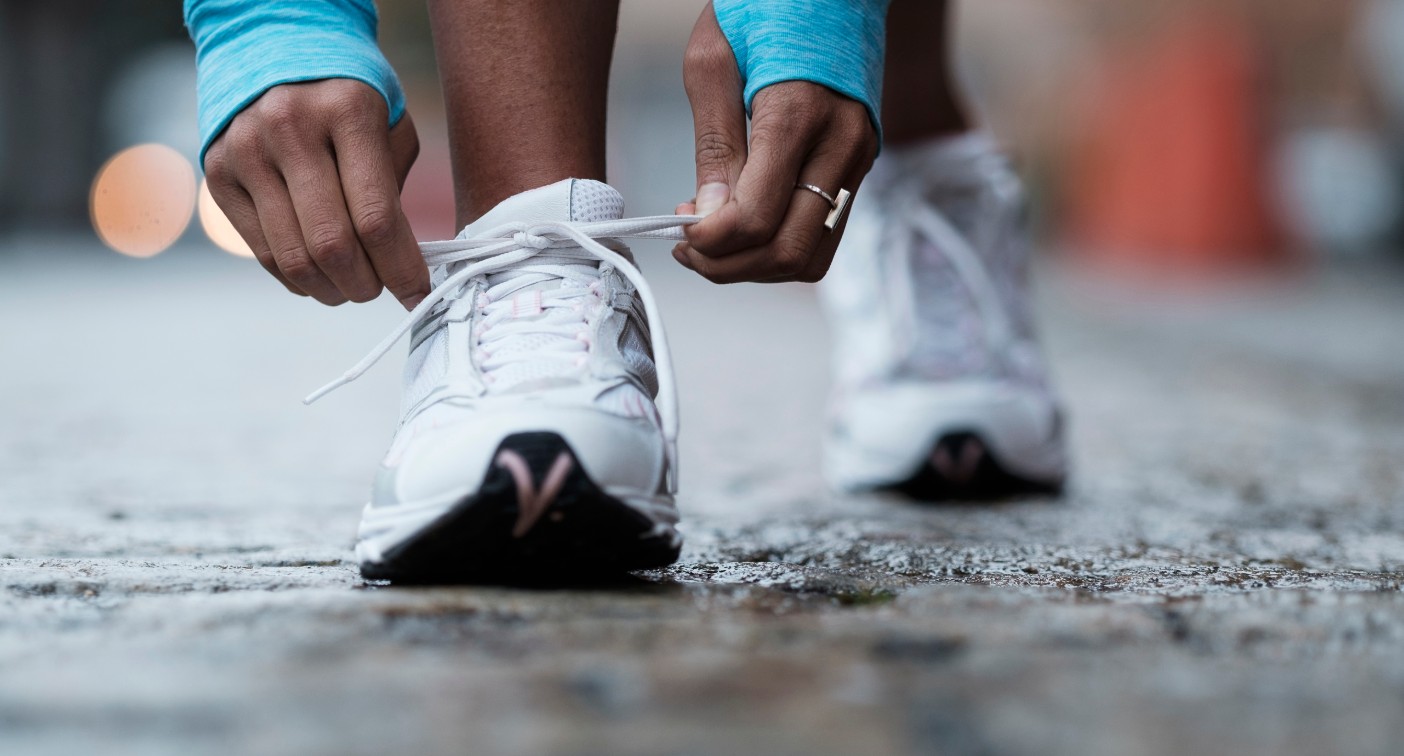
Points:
point(315, 190)
point(715, 91)
point(779, 147)
point(279, 223)
point(828, 247)
point(799, 239)
point(238, 207)
point(785, 258)
point(368, 176)
point(680, 253)
point(222, 177)
point(404, 149)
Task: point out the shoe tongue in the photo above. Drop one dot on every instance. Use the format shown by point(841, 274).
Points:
point(579, 200)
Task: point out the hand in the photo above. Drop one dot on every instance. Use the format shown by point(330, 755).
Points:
point(759, 227)
point(310, 176)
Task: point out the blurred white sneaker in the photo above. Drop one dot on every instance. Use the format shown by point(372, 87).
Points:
point(530, 444)
point(941, 390)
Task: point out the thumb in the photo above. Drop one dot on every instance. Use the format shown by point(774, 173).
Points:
point(715, 89)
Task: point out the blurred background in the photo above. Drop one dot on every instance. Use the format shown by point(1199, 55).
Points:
point(1217, 188)
point(1225, 173)
point(1185, 135)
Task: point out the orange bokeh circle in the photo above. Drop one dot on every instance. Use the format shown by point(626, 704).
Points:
point(143, 199)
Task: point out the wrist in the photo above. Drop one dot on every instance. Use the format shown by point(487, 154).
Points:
point(243, 49)
point(839, 44)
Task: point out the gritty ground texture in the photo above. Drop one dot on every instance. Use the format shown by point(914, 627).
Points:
point(1223, 575)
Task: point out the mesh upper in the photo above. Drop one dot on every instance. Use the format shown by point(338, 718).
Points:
point(916, 317)
point(594, 201)
point(426, 368)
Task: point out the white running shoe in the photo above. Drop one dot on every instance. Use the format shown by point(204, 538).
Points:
point(941, 390)
point(530, 443)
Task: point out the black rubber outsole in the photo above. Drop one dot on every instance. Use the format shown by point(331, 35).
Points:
point(582, 535)
point(962, 468)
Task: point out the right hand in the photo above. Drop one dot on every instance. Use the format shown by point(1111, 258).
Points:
point(310, 175)
point(758, 224)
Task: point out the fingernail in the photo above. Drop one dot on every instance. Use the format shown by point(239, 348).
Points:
point(412, 301)
point(712, 196)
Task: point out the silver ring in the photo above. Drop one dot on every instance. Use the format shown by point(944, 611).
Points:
point(836, 204)
point(832, 202)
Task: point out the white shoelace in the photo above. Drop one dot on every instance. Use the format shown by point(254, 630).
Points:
point(505, 249)
point(923, 222)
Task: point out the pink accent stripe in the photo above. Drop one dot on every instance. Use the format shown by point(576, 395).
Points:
point(962, 470)
point(531, 503)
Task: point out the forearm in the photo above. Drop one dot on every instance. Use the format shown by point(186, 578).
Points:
point(839, 44)
point(245, 47)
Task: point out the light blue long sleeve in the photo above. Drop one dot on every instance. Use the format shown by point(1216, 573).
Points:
point(245, 47)
point(837, 43)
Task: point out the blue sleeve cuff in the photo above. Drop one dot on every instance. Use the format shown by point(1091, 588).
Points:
point(839, 44)
point(245, 47)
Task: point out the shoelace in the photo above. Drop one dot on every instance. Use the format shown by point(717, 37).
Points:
point(556, 312)
point(508, 247)
point(925, 223)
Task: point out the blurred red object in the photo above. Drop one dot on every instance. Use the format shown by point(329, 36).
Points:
point(1170, 171)
point(428, 194)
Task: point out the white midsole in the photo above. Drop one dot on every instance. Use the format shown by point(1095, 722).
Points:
point(1016, 424)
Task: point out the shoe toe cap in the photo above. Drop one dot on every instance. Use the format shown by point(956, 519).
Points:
point(622, 454)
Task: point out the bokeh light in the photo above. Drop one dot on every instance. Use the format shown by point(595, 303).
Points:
point(143, 199)
point(218, 227)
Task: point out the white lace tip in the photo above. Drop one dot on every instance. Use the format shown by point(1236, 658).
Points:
point(323, 391)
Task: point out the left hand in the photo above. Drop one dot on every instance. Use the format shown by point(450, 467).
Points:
point(759, 226)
